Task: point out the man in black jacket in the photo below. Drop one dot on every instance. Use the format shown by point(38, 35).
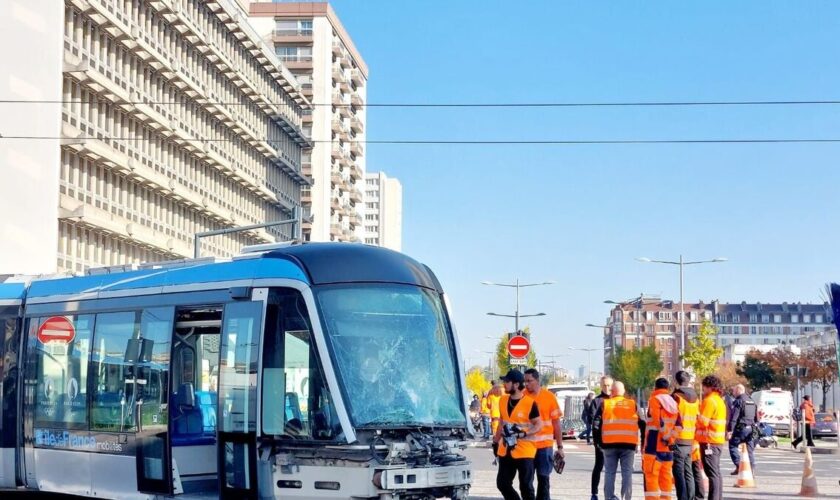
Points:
point(596, 409)
point(739, 426)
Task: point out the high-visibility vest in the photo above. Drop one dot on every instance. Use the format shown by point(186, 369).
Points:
point(525, 446)
point(688, 421)
point(485, 407)
point(620, 422)
point(661, 423)
point(711, 422)
point(494, 405)
point(549, 412)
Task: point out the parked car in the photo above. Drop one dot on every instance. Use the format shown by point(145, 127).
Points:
point(826, 426)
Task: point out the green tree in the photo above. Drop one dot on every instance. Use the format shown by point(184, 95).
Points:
point(702, 353)
point(757, 371)
point(637, 368)
point(503, 360)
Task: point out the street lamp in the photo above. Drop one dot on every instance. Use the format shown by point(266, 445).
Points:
point(682, 263)
point(517, 285)
point(589, 353)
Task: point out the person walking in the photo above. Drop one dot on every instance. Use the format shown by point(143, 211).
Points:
point(660, 436)
point(711, 433)
point(807, 410)
point(495, 397)
point(515, 438)
point(485, 416)
point(739, 427)
point(586, 416)
point(595, 408)
point(621, 431)
point(688, 405)
point(549, 436)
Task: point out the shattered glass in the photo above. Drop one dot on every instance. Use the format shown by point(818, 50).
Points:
point(392, 349)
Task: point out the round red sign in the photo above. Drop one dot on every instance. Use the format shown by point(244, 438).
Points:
point(56, 329)
point(518, 346)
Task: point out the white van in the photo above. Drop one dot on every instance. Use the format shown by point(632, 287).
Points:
point(775, 407)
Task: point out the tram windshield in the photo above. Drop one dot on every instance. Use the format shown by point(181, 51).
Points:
point(393, 351)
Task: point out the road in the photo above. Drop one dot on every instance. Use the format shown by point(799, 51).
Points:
point(778, 475)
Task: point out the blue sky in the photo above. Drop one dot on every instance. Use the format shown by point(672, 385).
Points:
point(580, 214)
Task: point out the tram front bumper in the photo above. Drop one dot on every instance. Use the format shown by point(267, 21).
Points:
point(400, 478)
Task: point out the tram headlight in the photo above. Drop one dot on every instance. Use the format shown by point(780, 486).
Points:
point(377, 479)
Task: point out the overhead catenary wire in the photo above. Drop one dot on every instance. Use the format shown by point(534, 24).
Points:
point(817, 102)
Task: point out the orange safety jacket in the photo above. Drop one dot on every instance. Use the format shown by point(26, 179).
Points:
point(620, 422)
point(661, 422)
point(549, 412)
point(711, 423)
point(525, 446)
point(687, 423)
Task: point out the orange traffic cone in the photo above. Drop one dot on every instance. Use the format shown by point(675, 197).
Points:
point(809, 480)
point(745, 475)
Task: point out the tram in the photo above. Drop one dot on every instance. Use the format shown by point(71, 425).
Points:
point(316, 370)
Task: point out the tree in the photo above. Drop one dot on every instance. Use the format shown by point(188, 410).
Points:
point(503, 360)
point(702, 353)
point(476, 382)
point(757, 371)
point(821, 362)
point(637, 368)
point(727, 371)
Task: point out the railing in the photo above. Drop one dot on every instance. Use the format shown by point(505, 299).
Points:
point(294, 58)
point(293, 32)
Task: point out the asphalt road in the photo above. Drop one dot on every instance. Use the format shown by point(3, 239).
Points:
point(778, 475)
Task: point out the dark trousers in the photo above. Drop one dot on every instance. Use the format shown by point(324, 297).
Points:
point(543, 465)
point(683, 472)
point(744, 436)
point(508, 469)
point(596, 470)
point(699, 490)
point(710, 454)
point(809, 438)
point(587, 432)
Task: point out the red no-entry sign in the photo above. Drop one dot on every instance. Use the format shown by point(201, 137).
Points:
point(518, 346)
point(58, 329)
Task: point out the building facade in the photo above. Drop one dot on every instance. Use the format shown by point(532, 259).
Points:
point(176, 118)
point(651, 321)
point(311, 40)
point(383, 211)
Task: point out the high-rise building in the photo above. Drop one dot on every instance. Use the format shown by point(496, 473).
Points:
point(651, 321)
point(383, 211)
point(311, 40)
point(175, 118)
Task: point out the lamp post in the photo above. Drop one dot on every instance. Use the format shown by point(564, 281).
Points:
point(589, 353)
point(682, 263)
point(516, 314)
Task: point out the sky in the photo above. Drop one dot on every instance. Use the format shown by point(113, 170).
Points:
point(581, 214)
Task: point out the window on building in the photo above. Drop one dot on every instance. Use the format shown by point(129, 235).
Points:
point(818, 318)
point(649, 315)
point(753, 330)
point(765, 318)
point(777, 318)
point(794, 318)
point(664, 316)
point(753, 318)
point(806, 318)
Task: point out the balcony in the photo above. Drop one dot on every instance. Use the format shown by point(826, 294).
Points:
point(357, 148)
point(356, 124)
point(356, 77)
point(336, 151)
point(356, 99)
point(337, 49)
point(292, 35)
point(296, 61)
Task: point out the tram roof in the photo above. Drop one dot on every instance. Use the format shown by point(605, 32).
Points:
point(311, 263)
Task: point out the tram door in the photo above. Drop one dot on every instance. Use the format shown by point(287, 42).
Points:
point(238, 373)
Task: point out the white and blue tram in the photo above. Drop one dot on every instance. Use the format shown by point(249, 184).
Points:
point(303, 371)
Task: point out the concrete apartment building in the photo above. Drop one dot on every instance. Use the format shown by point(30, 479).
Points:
point(652, 321)
point(310, 39)
point(173, 117)
point(383, 211)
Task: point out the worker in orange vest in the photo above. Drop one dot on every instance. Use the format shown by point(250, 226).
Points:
point(549, 435)
point(621, 431)
point(807, 408)
point(660, 436)
point(689, 407)
point(711, 433)
point(516, 437)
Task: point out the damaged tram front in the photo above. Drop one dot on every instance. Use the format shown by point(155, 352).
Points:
point(304, 371)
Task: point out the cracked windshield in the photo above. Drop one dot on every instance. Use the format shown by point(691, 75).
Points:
point(393, 353)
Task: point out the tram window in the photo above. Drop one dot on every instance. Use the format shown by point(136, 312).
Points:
point(61, 370)
point(296, 401)
point(129, 369)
